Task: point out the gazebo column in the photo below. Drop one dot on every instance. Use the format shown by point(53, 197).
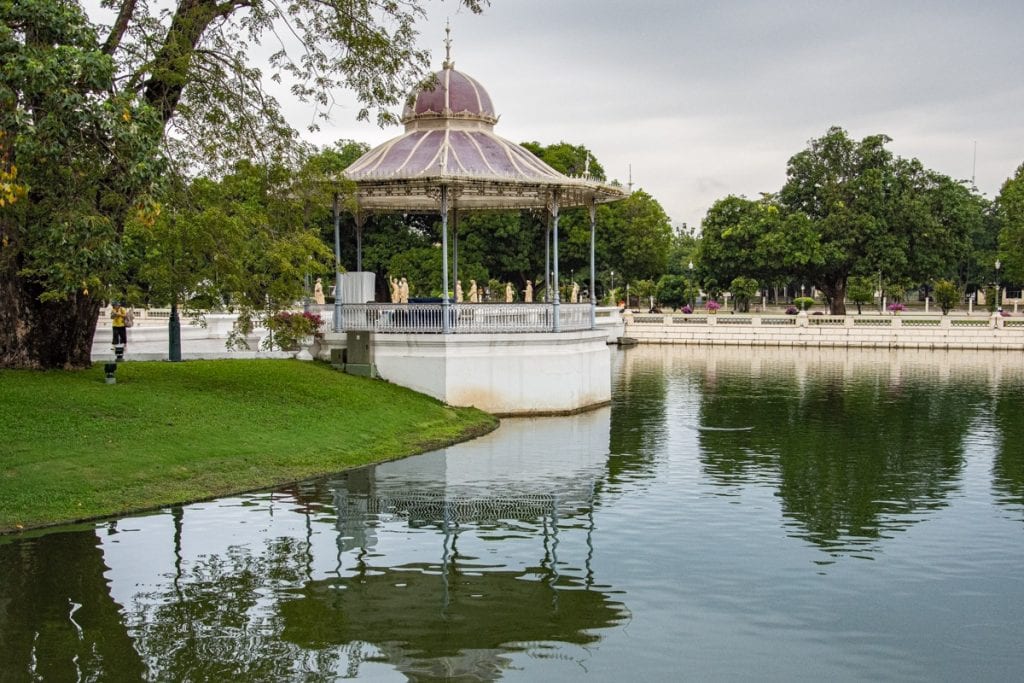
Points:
point(360, 222)
point(592, 208)
point(446, 327)
point(455, 248)
point(336, 324)
point(547, 258)
point(554, 255)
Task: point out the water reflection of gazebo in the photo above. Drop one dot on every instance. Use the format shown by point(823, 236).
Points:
point(455, 616)
point(450, 161)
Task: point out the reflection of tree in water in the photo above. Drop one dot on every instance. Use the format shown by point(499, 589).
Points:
point(58, 621)
point(1008, 469)
point(637, 420)
point(217, 622)
point(851, 458)
point(437, 622)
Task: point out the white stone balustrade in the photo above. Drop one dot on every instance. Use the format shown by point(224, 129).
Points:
point(890, 331)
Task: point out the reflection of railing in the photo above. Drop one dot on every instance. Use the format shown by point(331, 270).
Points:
point(463, 318)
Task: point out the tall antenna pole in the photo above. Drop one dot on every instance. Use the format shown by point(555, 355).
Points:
point(974, 164)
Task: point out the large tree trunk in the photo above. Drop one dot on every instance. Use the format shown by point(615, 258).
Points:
point(835, 290)
point(51, 334)
point(59, 333)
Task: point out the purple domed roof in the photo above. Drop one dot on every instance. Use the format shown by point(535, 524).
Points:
point(450, 93)
point(449, 140)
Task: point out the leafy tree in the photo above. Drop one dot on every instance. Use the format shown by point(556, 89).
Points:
point(683, 250)
point(861, 291)
point(572, 160)
point(871, 212)
point(674, 290)
point(897, 291)
point(79, 155)
point(947, 294)
point(931, 219)
point(760, 239)
point(87, 123)
point(643, 290)
point(1009, 211)
point(638, 235)
point(573, 224)
point(189, 253)
point(507, 246)
point(840, 185)
point(421, 266)
point(742, 290)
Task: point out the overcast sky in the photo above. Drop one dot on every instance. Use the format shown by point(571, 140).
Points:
point(705, 99)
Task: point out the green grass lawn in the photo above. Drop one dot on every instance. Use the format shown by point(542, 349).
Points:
point(73, 447)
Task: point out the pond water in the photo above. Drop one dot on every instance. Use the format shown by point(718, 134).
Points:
point(734, 514)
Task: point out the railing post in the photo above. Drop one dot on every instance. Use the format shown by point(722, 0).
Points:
point(593, 273)
point(445, 303)
point(337, 266)
point(554, 252)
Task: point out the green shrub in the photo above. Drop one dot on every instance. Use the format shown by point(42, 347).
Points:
point(804, 303)
point(946, 295)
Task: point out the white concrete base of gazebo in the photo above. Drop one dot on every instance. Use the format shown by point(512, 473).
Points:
point(502, 373)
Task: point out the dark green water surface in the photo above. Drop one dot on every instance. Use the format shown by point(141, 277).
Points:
point(735, 514)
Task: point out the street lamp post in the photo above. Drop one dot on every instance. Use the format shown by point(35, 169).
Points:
point(998, 265)
point(689, 267)
point(613, 288)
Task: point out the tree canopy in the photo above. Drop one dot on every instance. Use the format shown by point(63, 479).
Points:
point(91, 116)
point(1009, 211)
point(847, 208)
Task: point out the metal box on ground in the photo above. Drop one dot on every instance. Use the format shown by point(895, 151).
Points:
point(359, 354)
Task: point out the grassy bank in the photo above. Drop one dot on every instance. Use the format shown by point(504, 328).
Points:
point(73, 447)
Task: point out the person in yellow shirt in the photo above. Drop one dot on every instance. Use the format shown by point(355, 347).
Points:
point(118, 314)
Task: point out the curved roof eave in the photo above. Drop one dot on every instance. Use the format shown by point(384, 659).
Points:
point(484, 170)
point(478, 193)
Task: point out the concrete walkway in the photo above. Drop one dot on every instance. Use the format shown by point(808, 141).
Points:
point(149, 342)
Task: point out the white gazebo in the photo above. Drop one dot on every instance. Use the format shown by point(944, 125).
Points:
point(510, 359)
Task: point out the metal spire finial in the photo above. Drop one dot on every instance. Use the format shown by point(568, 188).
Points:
point(448, 63)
